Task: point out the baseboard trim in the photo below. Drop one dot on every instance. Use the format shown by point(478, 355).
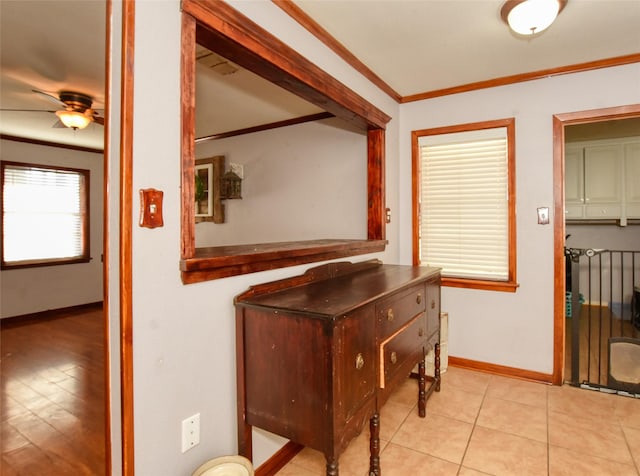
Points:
point(501, 370)
point(279, 459)
point(51, 313)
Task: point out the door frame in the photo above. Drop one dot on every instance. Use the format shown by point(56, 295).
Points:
point(559, 272)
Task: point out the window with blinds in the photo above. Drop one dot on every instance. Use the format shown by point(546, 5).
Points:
point(45, 217)
point(465, 211)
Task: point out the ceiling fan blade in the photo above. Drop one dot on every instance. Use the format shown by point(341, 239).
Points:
point(98, 120)
point(27, 110)
point(50, 97)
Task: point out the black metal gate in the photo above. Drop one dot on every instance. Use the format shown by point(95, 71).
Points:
point(603, 319)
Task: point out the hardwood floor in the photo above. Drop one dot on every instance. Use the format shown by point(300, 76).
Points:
point(52, 396)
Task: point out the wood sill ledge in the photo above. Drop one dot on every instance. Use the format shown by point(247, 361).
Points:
point(224, 261)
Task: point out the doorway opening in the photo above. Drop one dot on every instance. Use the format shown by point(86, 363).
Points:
point(596, 267)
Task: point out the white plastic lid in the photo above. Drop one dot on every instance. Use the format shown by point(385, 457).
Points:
point(226, 466)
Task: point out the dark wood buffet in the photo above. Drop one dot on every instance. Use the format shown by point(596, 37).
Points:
point(319, 354)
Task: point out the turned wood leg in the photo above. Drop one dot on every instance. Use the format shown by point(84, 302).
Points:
point(437, 365)
point(332, 466)
point(422, 399)
point(374, 445)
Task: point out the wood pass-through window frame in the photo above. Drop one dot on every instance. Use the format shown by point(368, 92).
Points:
point(222, 29)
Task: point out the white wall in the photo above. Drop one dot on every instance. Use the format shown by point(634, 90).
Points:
point(30, 290)
point(611, 237)
point(183, 336)
point(513, 329)
point(302, 182)
point(112, 256)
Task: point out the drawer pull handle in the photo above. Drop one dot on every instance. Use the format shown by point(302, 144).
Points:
point(390, 315)
point(433, 304)
point(359, 361)
point(394, 358)
point(420, 332)
point(418, 298)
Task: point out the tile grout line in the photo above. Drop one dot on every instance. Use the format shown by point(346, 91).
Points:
point(473, 428)
point(629, 448)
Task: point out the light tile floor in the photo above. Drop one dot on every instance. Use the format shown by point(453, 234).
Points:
point(481, 424)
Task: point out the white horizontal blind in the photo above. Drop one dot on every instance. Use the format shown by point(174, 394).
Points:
point(464, 207)
point(43, 213)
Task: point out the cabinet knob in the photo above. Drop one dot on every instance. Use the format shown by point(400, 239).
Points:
point(390, 315)
point(420, 332)
point(393, 357)
point(418, 298)
point(433, 304)
point(359, 361)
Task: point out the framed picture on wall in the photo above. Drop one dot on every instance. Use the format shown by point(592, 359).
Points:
point(208, 175)
point(203, 190)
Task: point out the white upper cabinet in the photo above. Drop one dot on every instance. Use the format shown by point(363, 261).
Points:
point(574, 182)
point(632, 179)
point(602, 180)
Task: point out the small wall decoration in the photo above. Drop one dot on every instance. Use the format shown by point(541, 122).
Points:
point(231, 185)
point(208, 177)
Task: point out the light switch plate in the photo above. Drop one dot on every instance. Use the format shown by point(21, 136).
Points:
point(543, 216)
point(151, 208)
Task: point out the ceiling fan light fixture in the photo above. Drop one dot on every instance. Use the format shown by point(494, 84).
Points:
point(530, 17)
point(74, 119)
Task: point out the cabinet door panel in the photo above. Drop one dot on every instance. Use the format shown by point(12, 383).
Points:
point(573, 176)
point(632, 179)
point(355, 379)
point(287, 375)
point(602, 167)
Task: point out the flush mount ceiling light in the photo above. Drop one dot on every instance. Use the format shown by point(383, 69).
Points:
point(530, 17)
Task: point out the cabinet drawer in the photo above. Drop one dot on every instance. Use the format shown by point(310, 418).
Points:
point(395, 311)
point(573, 211)
point(603, 211)
point(396, 353)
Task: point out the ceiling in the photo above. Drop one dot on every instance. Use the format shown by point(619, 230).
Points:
point(37, 52)
point(414, 47)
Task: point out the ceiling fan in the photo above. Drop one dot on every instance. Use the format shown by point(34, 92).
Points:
point(76, 113)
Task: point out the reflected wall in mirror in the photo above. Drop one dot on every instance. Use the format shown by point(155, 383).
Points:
point(301, 182)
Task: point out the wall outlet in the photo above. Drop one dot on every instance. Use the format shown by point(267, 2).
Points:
point(190, 432)
point(237, 169)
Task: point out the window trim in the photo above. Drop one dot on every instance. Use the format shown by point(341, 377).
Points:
point(510, 285)
point(84, 257)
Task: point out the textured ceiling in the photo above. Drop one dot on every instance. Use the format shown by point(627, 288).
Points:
point(426, 45)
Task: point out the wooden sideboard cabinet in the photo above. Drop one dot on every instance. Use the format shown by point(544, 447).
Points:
point(319, 354)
